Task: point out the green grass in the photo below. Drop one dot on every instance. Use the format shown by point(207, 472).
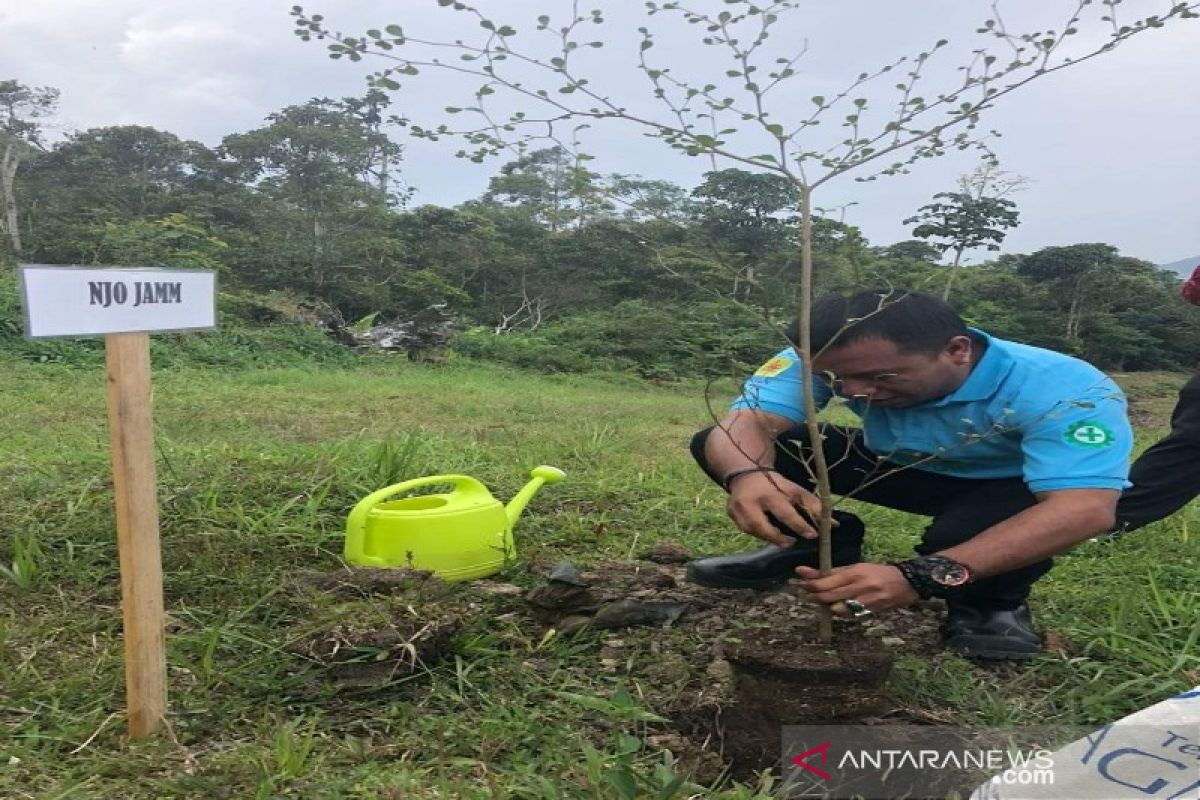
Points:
point(257, 470)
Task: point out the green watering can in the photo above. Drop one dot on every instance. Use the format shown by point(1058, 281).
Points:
point(463, 534)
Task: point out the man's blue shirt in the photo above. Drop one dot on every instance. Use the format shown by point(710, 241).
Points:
point(1054, 420)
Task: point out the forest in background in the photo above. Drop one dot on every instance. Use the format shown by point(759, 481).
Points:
point(557, 266)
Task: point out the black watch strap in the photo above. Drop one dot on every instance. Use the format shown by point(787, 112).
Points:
point(920, 573)
point(728, 480)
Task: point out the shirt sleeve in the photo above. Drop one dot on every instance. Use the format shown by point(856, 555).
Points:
point(777, 388)
point(1081, 441)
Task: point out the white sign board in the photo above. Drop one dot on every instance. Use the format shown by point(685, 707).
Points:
point(83, 301)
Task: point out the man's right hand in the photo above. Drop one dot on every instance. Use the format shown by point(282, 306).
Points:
point(753, 496)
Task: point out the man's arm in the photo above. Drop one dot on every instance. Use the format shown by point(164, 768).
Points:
point(1058, 522)
point(745, 440)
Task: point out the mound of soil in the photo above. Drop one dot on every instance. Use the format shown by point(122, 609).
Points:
point(728, 667)
point(734, 665)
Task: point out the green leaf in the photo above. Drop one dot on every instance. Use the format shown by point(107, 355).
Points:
point(776, 129)
point(395, 30)
point(818, 100)
point(624, 782)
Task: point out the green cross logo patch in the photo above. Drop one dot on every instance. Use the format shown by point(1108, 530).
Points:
point(1090, 433)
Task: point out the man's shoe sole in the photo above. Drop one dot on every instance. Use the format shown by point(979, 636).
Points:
point(992, 648)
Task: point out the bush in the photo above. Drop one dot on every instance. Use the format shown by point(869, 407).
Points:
point(710, 339)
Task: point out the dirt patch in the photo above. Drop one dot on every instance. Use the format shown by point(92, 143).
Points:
point(388, 626)
point(731, 667)
point(727, 667)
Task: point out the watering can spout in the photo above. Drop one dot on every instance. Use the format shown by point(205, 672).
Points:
point(538, 477)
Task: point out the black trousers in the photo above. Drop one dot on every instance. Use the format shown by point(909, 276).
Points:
point(961, 508)
point(1167, 476)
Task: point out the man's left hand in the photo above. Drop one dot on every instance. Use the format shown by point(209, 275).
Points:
point(879, 587)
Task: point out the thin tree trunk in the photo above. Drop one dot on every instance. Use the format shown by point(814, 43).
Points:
point(1073, 318)
point(383, 176)
point(953, 274)
point(820, 468)
point(8, 173)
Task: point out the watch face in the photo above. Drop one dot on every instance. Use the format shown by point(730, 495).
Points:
point(950, 573)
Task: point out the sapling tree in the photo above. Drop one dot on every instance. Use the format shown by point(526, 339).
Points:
point(543, 83)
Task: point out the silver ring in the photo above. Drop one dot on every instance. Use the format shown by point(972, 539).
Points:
point(857, 609)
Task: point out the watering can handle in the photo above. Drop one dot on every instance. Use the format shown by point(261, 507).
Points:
point(356, 523)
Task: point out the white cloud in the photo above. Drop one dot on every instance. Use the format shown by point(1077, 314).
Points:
point(189, 43)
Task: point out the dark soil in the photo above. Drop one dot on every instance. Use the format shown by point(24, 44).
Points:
point(728, 667)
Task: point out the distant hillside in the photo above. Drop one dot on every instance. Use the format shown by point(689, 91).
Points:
point(1183, 267)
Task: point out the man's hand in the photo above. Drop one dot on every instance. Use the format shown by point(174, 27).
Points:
point(753, 496)
point(879, 587)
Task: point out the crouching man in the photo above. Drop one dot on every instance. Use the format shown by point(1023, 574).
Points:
point(1016, 452)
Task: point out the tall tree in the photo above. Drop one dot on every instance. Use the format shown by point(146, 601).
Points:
point(382, 156)
point(1075, 276)
point(975, 216)
point(114, 175)
point(313, 169)
point(552, 186)
point(21, 110)
point(747, 215)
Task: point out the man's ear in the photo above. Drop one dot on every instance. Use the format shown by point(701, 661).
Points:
point(959, 350)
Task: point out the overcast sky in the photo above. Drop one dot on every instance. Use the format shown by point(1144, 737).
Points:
point(1109, 146)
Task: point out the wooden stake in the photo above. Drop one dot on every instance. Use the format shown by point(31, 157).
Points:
point(131, 426)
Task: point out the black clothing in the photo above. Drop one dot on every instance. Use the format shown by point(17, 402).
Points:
point(1167, 476)
point(961, 507)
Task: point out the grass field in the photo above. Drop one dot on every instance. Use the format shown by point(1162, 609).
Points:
point(257, 471)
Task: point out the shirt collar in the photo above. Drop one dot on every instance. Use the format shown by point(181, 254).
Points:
point(986, 375)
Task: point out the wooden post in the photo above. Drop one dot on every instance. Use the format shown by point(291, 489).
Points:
point(131, 426)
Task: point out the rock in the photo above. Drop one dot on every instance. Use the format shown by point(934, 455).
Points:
point(891, 641)
point(627, 613)
point(566, 572)
point(556, 596)
point(720, 670)
point(667, 551)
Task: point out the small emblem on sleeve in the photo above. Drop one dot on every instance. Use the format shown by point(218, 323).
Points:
point(1090, 433)
point(773, 367)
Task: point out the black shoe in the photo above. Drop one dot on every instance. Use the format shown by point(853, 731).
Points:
point(990, 634)
point(772, 566)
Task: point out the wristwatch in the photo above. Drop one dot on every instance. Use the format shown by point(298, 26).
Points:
point(934, 576)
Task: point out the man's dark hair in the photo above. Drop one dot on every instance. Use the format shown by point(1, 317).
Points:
point(914, 322)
